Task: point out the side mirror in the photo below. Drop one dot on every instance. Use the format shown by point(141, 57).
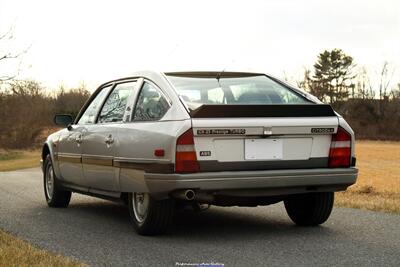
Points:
point(63, 120)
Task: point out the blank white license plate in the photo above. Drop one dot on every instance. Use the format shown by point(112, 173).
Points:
point(266, 149)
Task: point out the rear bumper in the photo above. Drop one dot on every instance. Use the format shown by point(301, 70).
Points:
point(273, 182)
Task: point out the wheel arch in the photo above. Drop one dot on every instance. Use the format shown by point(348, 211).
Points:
point(48, 149)
point(45, 151)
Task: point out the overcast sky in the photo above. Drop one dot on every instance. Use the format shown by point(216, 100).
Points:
point(93, 41)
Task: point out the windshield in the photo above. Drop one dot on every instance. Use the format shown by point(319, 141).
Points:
point(253, 90)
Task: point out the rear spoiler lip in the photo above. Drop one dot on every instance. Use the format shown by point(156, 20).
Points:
point(260, 111)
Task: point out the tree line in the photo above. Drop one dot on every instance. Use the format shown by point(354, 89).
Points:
point(27, 110)
point(373, 110)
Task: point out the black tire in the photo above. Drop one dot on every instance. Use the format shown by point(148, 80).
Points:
point(157, 218)
point(309, 209)
point(55, 197)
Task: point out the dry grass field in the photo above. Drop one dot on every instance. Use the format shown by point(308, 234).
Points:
point(378, 185)
point(15, 252)
point(18, 159)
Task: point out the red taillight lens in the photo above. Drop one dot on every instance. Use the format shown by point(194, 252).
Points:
point(186, 159)
point(340, 152)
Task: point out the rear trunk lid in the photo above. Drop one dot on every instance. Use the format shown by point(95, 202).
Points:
point(262, 137)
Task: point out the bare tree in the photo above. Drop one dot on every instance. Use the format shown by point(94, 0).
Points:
point(7, 56)
point(363, 87)
point(70, 101)
point(307, 83)
point(395, 92)
point(385, 78)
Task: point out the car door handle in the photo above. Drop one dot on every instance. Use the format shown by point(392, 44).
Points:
point(78, 139)
point(109, 140)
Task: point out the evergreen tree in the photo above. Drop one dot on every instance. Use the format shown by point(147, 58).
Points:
point(332, 78)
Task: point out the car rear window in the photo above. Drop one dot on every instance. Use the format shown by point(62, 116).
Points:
point(257, 90)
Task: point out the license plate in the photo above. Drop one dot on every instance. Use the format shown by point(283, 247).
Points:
point(265, 149)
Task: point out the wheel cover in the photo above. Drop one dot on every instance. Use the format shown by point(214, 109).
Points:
point(49, 182)
point(140, 204)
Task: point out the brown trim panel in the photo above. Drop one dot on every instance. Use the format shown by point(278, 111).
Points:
point(69, 158)
point(151, 167)
point(103, 161)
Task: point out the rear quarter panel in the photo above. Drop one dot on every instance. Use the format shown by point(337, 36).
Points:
point(137, 142)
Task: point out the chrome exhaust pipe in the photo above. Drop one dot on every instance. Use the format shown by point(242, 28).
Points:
point(190, 194)
point(187, 194)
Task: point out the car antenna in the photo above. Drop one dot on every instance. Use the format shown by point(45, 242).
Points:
point(218, 77)
point(219, 74)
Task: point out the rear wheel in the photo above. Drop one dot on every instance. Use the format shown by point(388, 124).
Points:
point(150, 216)
point(309, 209)
point(55, 196)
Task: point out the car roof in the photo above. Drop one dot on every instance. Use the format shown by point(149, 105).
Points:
point(212, 74)
point(193, 74)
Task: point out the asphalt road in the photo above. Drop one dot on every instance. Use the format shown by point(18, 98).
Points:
point(98, 233)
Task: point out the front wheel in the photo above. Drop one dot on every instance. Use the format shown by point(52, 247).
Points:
point(309, 209)
point(150, 216)
point(55, 196)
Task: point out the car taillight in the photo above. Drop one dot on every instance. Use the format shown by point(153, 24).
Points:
point(340, 152)
point(186, 159)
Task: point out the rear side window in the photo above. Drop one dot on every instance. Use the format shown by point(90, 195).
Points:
point(115, 105)
point(257, 89)
point(151, 104)
point(89, 116)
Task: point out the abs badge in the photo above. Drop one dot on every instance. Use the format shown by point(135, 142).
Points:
point(205, 153)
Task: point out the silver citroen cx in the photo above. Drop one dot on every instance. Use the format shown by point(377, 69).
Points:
point(159, 141)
